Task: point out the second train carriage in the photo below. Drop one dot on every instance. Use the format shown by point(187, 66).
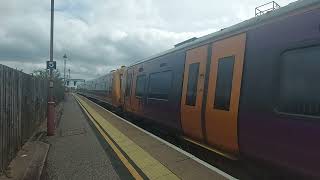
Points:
point(106, 88)
point(248, 90)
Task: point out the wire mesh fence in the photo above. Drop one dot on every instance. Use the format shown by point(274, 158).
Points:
point(23, 105)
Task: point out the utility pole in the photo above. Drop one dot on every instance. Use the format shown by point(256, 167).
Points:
point(64, 70)
point(69, 74)
point(51, 103)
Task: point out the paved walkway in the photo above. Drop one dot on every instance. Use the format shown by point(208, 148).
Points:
point(77, 153)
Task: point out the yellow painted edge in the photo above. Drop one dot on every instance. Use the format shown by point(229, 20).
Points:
point(131, 169)
point(139, 156)
point(212, 149)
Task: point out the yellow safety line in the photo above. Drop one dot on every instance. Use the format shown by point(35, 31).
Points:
point(131, 169)
point(149, 166)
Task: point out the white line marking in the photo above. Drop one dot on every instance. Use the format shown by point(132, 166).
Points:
point(209, 166)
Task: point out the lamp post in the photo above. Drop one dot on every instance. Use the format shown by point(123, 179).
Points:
point(51, 103)
point(64, 70)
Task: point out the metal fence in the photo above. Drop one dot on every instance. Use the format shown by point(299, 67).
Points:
point(23, 104)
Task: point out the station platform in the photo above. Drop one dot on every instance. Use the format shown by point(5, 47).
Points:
point(95, 143)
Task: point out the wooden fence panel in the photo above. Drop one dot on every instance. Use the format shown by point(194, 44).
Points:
point(23, 102)
point(1, 118)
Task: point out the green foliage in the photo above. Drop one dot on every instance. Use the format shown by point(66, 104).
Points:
point(42, 73)
point(58, 87)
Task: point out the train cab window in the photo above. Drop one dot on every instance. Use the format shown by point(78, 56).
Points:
point(140, 85)
point(224, 83)
point(299, 85)
point(192, 84)
point(160, 85)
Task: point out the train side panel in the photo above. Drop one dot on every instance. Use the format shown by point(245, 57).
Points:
point(164, 87)
point(279, 119)
point(100, 88)
point(153, 89)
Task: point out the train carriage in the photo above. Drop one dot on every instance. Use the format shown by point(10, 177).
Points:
point(249, 90)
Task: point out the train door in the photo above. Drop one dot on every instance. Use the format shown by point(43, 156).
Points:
point(138, 90)
point(192, 92)
point(121, 71)
point(221, 126)
point(110, 79)
point(128, 89)
point(116, 90)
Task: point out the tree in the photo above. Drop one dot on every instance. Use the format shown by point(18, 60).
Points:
point(58, 88)
point(43, 73)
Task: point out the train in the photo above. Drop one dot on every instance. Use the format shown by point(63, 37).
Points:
point(249, 90)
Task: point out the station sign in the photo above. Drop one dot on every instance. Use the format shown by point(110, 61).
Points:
point(51, 65)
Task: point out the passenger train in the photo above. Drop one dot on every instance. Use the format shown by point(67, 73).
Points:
point(250, 90)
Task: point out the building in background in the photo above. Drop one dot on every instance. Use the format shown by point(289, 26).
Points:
point(71, 84)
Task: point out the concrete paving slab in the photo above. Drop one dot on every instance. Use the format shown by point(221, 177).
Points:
point(77, 152)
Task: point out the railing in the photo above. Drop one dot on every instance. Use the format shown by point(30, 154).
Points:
point(23, 105)
point(270, 6)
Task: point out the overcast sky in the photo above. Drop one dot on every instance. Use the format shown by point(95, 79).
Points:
point(101, 35)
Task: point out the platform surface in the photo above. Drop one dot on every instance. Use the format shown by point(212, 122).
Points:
point(76, 152)
point(144, 155)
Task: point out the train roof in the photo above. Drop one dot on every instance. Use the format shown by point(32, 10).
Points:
point(238, 28)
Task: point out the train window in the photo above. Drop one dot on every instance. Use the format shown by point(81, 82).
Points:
point(160, 84)
point(140, 85)
point(299, 89)
point(192, 84)
point(224, 83)
point(128, 84)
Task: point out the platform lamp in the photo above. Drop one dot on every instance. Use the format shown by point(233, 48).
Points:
point(51, 104)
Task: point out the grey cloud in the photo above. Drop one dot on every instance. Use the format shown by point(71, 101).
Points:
point(101, 35)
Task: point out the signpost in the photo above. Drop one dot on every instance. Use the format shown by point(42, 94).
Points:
point(51, 65)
